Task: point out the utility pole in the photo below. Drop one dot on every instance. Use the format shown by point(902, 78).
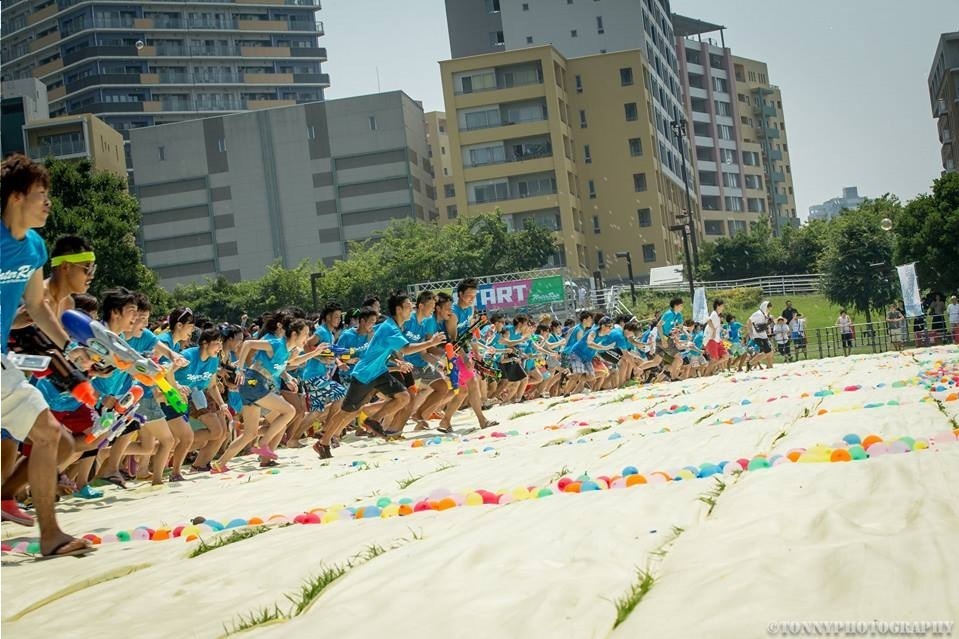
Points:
point(679, 127)
point(629, 269)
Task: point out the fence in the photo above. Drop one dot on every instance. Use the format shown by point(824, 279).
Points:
point(876, 337)
point(796, 284)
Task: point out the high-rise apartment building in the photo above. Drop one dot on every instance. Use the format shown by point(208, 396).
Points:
point(737, 128)
point(438, 139)
point(944, 97)
point(579, 33)
point(229, 195)
point(137, 63)
point(569, 144)
point(849, 201)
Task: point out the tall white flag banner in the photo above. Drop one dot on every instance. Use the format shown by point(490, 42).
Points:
point(910, 289)
point(700, 310)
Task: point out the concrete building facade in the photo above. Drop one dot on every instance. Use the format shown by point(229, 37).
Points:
point(437, 136)
point(570, 144)
point(229, 195)
point(27, 128)
point(736, 124)
point(944, 98)
point(829, 209)
point(142, 63)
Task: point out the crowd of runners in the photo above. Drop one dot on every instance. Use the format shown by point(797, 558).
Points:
point(132, 397)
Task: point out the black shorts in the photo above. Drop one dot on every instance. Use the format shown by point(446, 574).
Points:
point(783, 348)
point(763, 344)
point(513, 371)
point(358, 392)
point(847, 340)
point(406, 379)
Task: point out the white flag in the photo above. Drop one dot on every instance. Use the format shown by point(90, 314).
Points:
point(700, 310)
point(910, 289)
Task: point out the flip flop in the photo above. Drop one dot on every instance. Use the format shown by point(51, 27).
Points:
point(116, 479)
point(489, 424)
point(322, 450)
point(86, 549)
point(448, 430)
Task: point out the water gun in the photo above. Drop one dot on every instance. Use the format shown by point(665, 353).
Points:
point(112, 419)
point(463, 337)
point(61, 371)
point(345, 354)
point(107, 346)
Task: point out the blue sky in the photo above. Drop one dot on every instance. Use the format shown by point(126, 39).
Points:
point(852, 72)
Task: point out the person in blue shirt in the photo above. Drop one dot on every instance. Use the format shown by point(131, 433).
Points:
point(579, 371)
point(737, 349)
point(427, 368)
point(199, 376)
point(513, 362)
point(586, 351)
point(372, 373)
point(24, 206)
point(670, 319)
point(282, 337)
point(181, 326)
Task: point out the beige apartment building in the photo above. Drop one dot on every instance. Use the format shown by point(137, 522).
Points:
point(570, 144)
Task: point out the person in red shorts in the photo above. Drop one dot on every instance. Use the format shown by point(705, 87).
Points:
point(715, 348)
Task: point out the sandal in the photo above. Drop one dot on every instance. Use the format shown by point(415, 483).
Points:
point(448, 430)
point(116, 479)
point(217, 468)
point(322, 450)
point(61, 550)
point(175, 477)
point(268, 463)
point(489, 424)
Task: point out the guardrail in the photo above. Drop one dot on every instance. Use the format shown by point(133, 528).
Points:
point(797, 284)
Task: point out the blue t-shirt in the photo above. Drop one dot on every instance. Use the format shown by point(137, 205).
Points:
point(698, 340)
point(113, 385)
point(671, 319)
point(315, 368)
point(60, 402)
point(616, 337)
point(734, 328)
point(198, 373)
point(359, 343)
point(276, 364)
point(463, 317)
point(416, 332)
point(582, 349)
point(145, 343)
point(572, 338)
point(19, 259)
point(167, 338)
point(387, 339)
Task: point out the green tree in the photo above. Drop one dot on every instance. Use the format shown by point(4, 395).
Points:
point(97, 206)
point(926, 230)
point(857, 261)
point(742, 256)
point(797, 250)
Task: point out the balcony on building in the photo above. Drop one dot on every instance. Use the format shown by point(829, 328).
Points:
point(775, 154)
point(770, 133)
point(502, 77)
point(507, 151)
point(501, 115)
point(764, 110)
point(537, 188)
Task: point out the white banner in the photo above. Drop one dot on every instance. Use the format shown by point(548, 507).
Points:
point(910, 289)
point(700, 310)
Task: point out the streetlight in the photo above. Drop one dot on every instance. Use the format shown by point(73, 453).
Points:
point(679, 127)
point(314, 278)
point(684, 229)
point(629, 268)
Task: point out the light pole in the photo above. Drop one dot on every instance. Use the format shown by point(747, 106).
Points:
point(684, 229)
point(679, 127)
point(629, 269)
point(314, 278)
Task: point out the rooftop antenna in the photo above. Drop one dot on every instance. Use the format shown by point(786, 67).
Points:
point(378, 89)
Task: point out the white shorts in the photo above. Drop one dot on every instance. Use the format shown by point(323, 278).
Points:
point(20, 403)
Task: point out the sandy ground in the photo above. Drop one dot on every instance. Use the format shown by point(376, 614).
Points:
point(862, 540)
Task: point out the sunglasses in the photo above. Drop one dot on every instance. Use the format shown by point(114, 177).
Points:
point(89, 269)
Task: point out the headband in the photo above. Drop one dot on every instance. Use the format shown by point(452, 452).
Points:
point(75, 258)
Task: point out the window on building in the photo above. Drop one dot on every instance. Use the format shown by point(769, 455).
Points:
point(713, 227)
point(496, 39)
point(582, 119)
point(591, 189)
point(702, 130)
point(529, 39)
point(639, 182)
point(579, 84)
point(599, 25)
point(525, 6)
point(311, 132)
point(723, 108)
point(725, 132)
point(492, 6)
point(635, 147)
point(731, 180)
point(649, 252)
point(790, 190)
point(632, 113)
point(572, 33)
point(728, 156)
point(449, 190)
point(221, 145)
point(720, 85)
point(451, 212)
point(626, 76)
point(645, 217)
point(600, 260)
point(587, 156)
point(372, 120)
point(734, 203)
point(596, 228)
